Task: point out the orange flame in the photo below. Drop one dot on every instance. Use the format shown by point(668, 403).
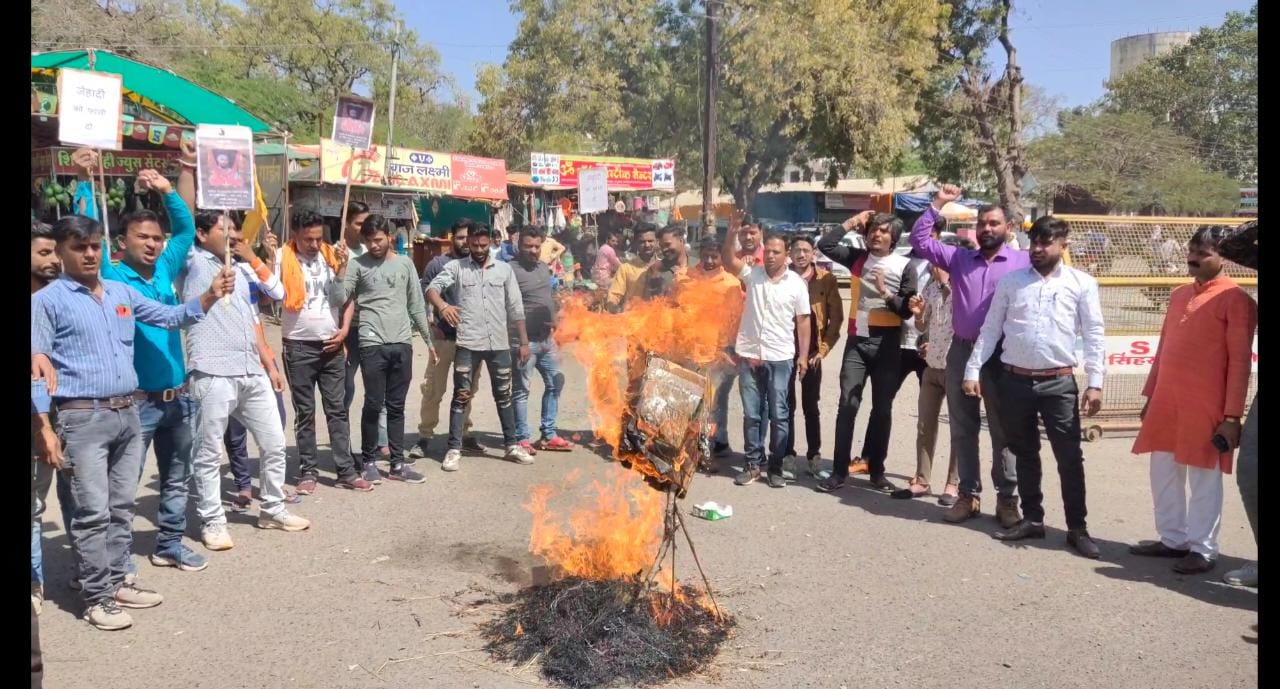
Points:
point(693, 328)
point(616, 537)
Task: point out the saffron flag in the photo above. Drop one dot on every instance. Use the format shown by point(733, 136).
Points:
point(256, 219)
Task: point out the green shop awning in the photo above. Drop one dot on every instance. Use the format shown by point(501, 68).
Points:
point(151, 86)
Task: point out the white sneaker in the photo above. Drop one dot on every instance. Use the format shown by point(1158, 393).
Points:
point(519, 455)
point(215, 536)
point(1245, 576)
point(132, 596)
point(108, 616)
point(451, 460)
point(37, 598)
point(283, 520)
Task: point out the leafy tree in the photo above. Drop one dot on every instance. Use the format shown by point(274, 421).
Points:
point(1206, 90)
point(800, 78)
point(1129, 162)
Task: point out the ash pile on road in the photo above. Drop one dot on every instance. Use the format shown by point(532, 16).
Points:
point(592, 633)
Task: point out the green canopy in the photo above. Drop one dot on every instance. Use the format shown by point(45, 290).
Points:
point(151, 86)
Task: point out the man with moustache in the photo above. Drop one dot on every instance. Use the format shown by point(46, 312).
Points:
point(489, 308)
point(881, 291)
point(445, 340)
point(974, 275)
point(1195, 397)
point(626, 280)
point(661, 277)
point(1038, 311)
point(827, 313)
point(164, 403)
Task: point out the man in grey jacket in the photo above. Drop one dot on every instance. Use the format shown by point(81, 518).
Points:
point(489, 307)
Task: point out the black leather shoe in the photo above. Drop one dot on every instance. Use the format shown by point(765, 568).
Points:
point(1156, 549)
point(1080, 540)
point(1193, 563)
point(1024, 529)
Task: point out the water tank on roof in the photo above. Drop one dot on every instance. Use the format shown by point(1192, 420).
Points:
point(1131, 51)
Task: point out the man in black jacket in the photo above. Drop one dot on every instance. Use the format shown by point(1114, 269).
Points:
point(881, 287)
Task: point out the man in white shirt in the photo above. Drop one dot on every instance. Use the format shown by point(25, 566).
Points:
point(775, 316)
point(1038, 311)
point(313, 350)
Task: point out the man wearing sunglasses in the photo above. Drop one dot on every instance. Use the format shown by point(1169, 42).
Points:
point(974, 275)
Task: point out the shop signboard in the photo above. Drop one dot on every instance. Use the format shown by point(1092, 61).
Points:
point(624, 174)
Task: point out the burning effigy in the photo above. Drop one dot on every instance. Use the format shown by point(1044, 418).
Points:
point(612, 609)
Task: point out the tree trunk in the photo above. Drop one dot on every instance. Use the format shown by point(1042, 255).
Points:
point(999, 104)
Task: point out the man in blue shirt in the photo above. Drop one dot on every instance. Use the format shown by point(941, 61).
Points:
point(165, 407)
point(85, 328)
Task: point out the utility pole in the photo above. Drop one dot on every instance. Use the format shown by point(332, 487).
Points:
point(391, 110)
point(709, 119)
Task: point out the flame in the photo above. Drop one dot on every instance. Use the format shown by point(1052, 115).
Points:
point(615, 537)
point(692, 327)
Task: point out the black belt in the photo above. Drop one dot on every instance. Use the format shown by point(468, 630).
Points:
point(102, 403)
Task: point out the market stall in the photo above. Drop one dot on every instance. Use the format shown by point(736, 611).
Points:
point(159, 111)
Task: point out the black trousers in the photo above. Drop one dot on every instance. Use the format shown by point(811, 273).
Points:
point(387, 371)
point(876, 359)
point(810, 390)
point(306, 366)
point(1056, 401)
point(911, 362)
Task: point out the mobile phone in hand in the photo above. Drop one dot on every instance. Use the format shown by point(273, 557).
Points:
point(1221, 443)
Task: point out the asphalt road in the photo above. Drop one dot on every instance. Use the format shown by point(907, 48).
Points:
point(846, 590)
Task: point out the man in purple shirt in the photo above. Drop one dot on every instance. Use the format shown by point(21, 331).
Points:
point(974, 274)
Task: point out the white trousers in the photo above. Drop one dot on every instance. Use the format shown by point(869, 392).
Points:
point(252, 402)
point(1186, 524)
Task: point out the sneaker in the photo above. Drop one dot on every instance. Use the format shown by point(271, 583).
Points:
point(777, 481)
point(283, 520)
point(518, 455)
point(215, 536)
point(452, 459)
point(306, 485)
point(472, 446)
point(131, 596)
point(748, 475)
point(528, 447)
point(815, 464)
point(356, 483)
point(1245, 576)
point(371, 473)
point(419, 449)
point(180, 556)
point(37, 597)
point(400, 472)
point(108, 616)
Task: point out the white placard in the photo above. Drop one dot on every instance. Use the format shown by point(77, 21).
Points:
point(544, 168)
point(593, 190)
point(664, 174)
point(89, 108)
point(224, 166)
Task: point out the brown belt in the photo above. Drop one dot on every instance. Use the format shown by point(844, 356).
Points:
point(1038, 373)
point(162, 396)
point(105, 403)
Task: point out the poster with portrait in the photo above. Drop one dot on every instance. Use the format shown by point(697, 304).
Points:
point(353, 122)
point(224, 166)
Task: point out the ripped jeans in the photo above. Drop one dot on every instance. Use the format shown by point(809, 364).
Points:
point(464, 363)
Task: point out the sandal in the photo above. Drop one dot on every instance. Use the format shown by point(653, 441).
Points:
point(556, 444)
point(907, 493)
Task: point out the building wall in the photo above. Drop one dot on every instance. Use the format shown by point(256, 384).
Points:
point(1131, 51)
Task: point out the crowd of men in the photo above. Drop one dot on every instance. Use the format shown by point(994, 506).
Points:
point(986, 325)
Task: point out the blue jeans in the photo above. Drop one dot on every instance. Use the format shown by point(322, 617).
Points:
point(42, 476)
point(723, 376)
point(763, 387)
point(168, 424)
point(546, 358)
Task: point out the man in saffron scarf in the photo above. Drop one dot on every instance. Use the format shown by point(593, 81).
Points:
point(313, 350)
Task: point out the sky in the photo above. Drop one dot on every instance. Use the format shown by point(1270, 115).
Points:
point(1063, 47)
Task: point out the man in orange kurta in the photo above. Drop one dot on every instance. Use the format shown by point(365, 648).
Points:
point(1196, 390)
